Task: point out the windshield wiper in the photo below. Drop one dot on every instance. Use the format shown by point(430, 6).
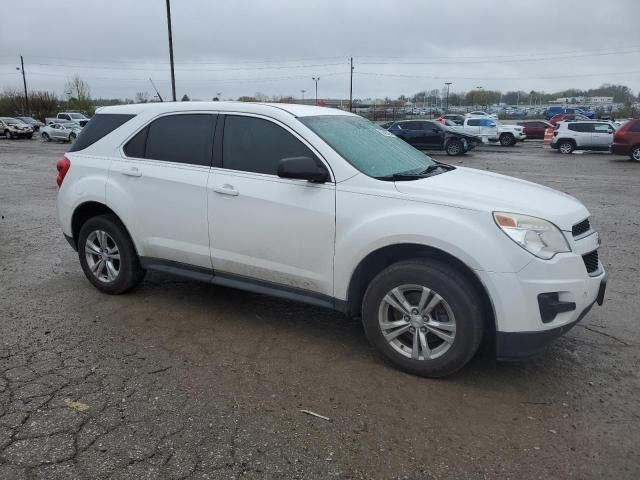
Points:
point(401, 177)
point(432, 168)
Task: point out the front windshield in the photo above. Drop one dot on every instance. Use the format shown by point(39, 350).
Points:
point(13, 121)
point(369, 148)
point(77, 115)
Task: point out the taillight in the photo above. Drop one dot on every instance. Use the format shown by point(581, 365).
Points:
point(62, 166)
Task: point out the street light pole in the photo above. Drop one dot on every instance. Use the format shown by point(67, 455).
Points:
point(479, 88)
point(24, 82)
point(302, 92)
point(448, 84)
point(316, 79)
point(173, 75)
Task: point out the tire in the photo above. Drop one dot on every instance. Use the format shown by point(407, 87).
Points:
point(457, 303)
point(45, 136)
point(635, 153)
point(8, 135)
point(30, 136)
point(72, 137)
point(507, 140)
point(566, 146)
point(455, 147)
point(99, 237)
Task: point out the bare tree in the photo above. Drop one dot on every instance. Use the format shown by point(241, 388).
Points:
point(141, 97)
point(77, 88)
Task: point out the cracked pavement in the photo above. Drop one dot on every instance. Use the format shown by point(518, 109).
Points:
point(182, 380)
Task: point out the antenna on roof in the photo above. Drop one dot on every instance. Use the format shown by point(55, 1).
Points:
point(154, 87)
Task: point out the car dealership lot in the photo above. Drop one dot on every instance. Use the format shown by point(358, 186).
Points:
point(185, 380)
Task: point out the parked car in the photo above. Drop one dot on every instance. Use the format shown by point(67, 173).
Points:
point(35, 124)
point(426, 134)
point(66, 132)
point(626, 140)
point(14, 128)
point(582, 135)
point(75, 117)
point(457, 119)
point(491, 130)
point(534, 129)
point(479, 113)
point(566, 117)
point(321, 206)
point(556, 110)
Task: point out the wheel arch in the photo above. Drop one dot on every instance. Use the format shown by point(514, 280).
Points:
point(88, 210)
point(383, 257)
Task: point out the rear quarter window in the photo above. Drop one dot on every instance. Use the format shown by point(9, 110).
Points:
point(99, 126)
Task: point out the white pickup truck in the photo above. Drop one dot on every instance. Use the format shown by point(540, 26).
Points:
point(74, 117)
point(491, 130)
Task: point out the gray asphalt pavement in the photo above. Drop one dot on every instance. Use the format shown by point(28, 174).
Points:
point(184, 380)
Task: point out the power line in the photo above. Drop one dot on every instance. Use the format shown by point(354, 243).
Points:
point(399, 75)
point(277, 67)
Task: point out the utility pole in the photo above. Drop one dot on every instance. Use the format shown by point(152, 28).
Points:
point(448, 84)
point(302, 92)
point(316, 79)
point(173, 75)
point(351, 88)
point(24, 82)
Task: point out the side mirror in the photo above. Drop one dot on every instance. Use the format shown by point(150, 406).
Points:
point(302, 168)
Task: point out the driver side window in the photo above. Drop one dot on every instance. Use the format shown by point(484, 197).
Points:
point(256, 145)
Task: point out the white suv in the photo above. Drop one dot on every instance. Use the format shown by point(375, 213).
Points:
point(321, 206)
point(582, 135)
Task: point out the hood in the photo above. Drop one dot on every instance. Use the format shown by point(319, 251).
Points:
point(485, 191)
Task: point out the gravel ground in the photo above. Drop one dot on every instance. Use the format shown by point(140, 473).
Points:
point(185, 380)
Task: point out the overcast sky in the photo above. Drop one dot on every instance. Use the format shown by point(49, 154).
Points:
point(276, 46)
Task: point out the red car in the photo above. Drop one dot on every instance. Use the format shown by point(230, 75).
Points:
point(626, 140)
point(567, 117)
point(535, 128)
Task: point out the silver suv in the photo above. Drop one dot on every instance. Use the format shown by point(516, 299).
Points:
point(582, 135)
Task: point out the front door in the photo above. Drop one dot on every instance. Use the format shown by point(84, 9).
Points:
point(602, 136)
point(264, 227)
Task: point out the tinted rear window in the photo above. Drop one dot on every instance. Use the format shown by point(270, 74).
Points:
point(99, 126)
point(635, 127)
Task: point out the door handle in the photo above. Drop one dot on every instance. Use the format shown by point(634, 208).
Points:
point(132, 172)
point(226, 189)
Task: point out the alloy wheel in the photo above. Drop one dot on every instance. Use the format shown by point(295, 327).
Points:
point(566, 148)
point(103, 256)
point(636, 154)
point(417, 322)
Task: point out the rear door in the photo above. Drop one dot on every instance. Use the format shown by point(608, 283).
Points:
point(601, 136)
point(160, 183)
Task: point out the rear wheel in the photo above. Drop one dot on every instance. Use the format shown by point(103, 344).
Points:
point(107, 255)
point(455, 147)
point(424, 316)
point(635, 153)
point(566, 146)
point(507, 140)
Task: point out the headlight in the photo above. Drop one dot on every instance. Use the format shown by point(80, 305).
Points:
point(539, 237)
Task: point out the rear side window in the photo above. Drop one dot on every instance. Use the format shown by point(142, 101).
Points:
point(581, 127)
point(474, 123)
point(184, 138)
point(256, 145)
point(99, 126)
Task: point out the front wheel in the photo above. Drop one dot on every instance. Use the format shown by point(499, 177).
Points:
point(635, 154)
point(45, 137)
point(9, 135)
point(424, 316)
point(455, 147)
point(507, 140)
point(107, 255)
point(72, 137)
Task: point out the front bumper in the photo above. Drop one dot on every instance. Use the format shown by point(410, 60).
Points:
point(522, 345)
point(518, 298)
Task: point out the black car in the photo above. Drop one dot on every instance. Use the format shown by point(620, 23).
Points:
point(430, 135)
